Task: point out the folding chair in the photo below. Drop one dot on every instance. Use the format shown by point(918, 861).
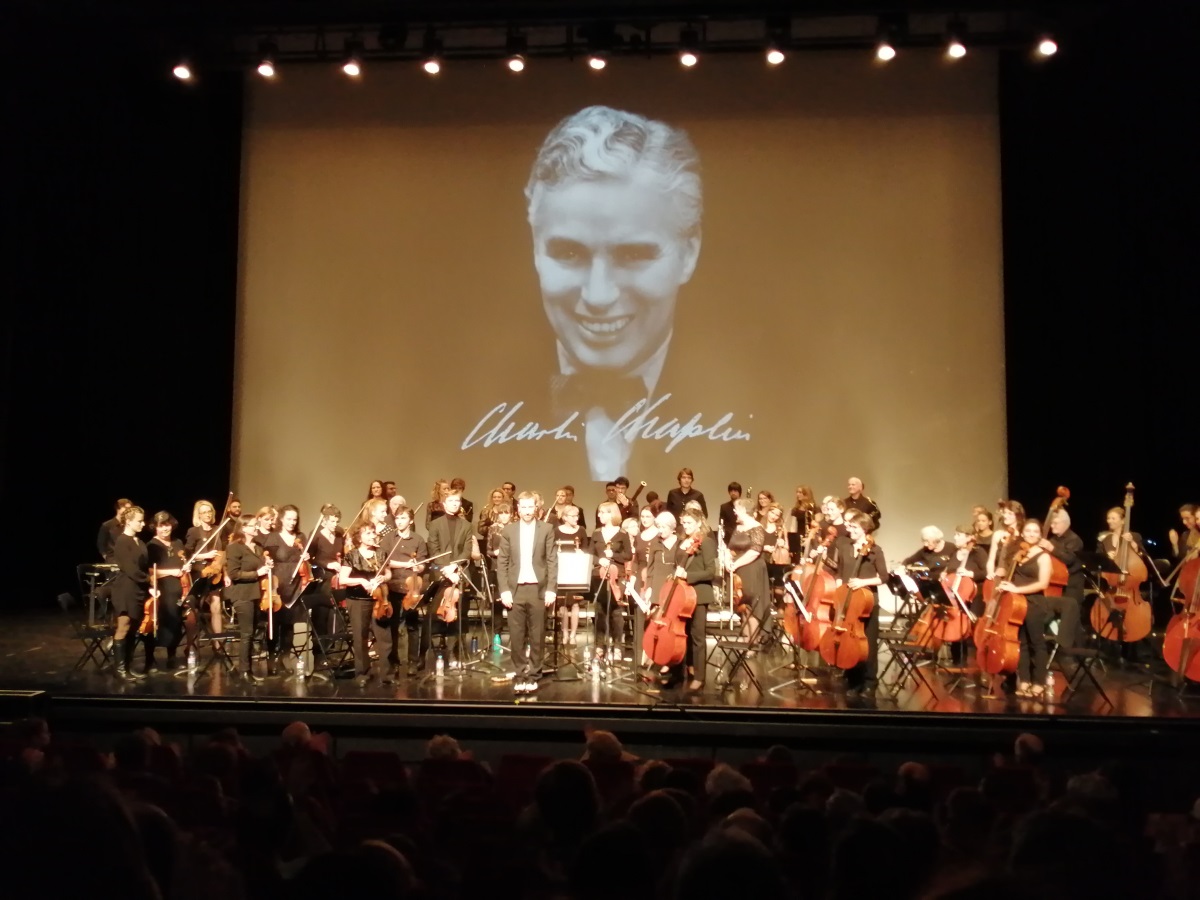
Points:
point(1085, 659)
point(334, 649)
point(218, 642)
point(736, 652)
point(93, 637)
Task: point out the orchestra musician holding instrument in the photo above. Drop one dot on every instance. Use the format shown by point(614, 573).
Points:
point(569, 535)
point(611, 550)
point(167, 559)
point(404, 549)
point(246, 564)
point(1030, 575)
point(129, 588)
point(450, 533)
point(204, 545)
point(286, 546)
point(1065, 545)
point(700, 570)
point(109, 529)
point(863, 565)
point(744, 558)
point(359, 576)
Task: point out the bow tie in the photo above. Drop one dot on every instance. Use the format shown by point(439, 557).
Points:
point(615, 394)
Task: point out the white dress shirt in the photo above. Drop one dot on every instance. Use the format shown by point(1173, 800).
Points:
point(525, 573)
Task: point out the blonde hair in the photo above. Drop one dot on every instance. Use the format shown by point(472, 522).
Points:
point(199, 505)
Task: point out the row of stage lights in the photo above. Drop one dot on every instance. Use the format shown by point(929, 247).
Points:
point(516, 60)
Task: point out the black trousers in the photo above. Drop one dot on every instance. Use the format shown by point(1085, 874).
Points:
point(610, 615)
point(1035, 655)
point(527, 623)
point(244, 610)
point(697, 651)
point(1067, 608)
point(362, 623)
point(866, 674)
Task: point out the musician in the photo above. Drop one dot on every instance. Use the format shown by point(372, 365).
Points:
point(983, 527)
point(402, 548)
point(774, 537)
point(611, 549)
point(863, 566)
point(359, 575)
point(501, 516)
point(450, 531)
point(1030, 575)
point(800, 519)
point(935, 554)
point(287, 549)
point(327, 561)
point(700, 570)
point(376, 514)
point(375, 491)
point(206, 589)
point(1004, 542)
point(109, 529)
point(626, 504)
point(970, 561)
point(245, 565)
point(527, 569)
point(510, 493)
point(269, 519)
point(569, 535)
point(727, 516)
point(660, 567)
point(744, 558)
point(833, 509)
point(129, 588)
point(437, 494)
point(233, 512)
point(1106, 542)
point(765, 499)
point(1065, 545)
point(166, 554)
point(1181, 545)
point(678, 497)
point(563, 497)
point(389, 490)
point(468, 508)
point(860, 501)
point(610, 496)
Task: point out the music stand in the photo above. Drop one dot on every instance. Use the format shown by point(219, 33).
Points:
point(791, 594)
point(574, 579)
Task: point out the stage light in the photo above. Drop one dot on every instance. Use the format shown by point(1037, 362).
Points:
point(689, 48)
point(597, 61)
point(884, 51)
point(352, 60)
point(182, 71)
point(774, 55)
point(956, 49)
point(1047, 46)
point(515, 46)
point(431, 53)
point(267, 51)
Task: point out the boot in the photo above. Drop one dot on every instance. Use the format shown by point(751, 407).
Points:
point(150, 666)
point(125, 667)
point(272, 664)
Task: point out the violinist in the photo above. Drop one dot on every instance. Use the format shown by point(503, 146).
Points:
point(700, 570)
point(327, 552)
point(286, 547)
point(393, 505)
point(1181, 544)
point(563, 497)
point(611, 549)
point(864, 566)
point(570, 535)
point(359, 576)
point(450, 532)
point(1065, 545)
point(233, 512)
point(268, 519)
point(109, 529)
point(727, 517)
point(129, 588)
point(860, 501)
point(610, 496)
point(659, 570)
point(245, 566)
point(678, 497)
point(206, 590)
point(800, 519)
point(775, 545)
point(1004, 542)
point(1030, 575)
point(375, 514)
point(744, 558)
point(389, 490)
point(403, 548)
point(487, 515)
point(167, 554)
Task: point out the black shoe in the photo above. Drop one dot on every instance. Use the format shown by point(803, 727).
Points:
point(390, 676)
point(171, 664)
point(249, 677)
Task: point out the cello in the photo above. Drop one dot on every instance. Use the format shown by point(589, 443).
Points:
point(817, 585)
point(665, 639)
point(1122, 601)
point(844, 644)
point(1181, 643)
point(996, 633)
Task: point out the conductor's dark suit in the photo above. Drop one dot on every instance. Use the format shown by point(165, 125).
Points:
point(527, 618)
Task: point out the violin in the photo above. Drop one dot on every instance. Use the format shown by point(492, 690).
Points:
point(270, 603)
point(1181, 643)
point(1120, 613)
point(149, 623)
point(844, 644)
point(665, 638)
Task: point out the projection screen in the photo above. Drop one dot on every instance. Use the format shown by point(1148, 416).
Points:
point(775, 276)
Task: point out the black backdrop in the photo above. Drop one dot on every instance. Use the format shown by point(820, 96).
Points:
point(122, 224)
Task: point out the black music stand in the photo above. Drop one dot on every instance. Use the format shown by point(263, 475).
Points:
point(562, 662)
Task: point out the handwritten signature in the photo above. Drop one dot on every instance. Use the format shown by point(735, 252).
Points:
point(500, 426)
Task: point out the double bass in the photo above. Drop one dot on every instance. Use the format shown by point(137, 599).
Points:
point(844, 644)
point(1181, 644)
point(665, 639)
point(1058, 569)
point(1122, 600)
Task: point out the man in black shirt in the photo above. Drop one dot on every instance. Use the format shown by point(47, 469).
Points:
point(468, 508)
point(109, 530)
point(860, 501)
point(1065, 545)
point(677, 498)
point(727, 516)
point(626, 504)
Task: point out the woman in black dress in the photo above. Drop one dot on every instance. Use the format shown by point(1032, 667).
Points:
point(359, 575)
point(245, 564)
point(166, 554)
point(130, 588)
point(286, 546)
point(569, 535)
point(1030, 575)
point(611, 550)
point(744, 558)
point(205, 595)
point(775, 538)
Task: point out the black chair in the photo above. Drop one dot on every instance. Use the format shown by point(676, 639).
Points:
point(333, 651)
point(737, 651)
point(1085, 659)
point(218, 642)
point(96, 638)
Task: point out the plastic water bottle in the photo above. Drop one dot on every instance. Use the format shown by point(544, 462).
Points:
point(595, 670)
point(496, 642)
point(439, 667)
point(1049, 685)
point(300, 666)
point(474, 645)
point(191, 660)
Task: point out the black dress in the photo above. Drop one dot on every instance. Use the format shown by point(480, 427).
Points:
point(131, 584)
point(756, 588)
point(170, 591)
